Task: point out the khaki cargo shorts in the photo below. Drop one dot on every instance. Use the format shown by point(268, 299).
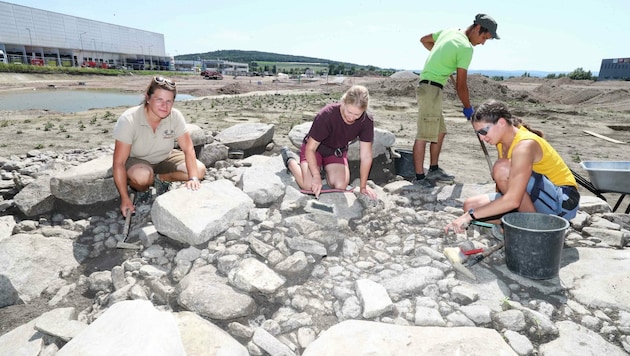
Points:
point(174, 159)
point(430, 118)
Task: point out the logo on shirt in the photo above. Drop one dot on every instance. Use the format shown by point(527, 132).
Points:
point(168, 134)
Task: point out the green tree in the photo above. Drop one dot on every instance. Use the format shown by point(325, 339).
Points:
point(551, 76)
point(580, 74)
point(253, 66)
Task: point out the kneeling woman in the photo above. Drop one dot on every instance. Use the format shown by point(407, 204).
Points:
point(326, 145)
point(530, 175)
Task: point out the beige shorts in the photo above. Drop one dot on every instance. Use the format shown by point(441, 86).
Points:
point(430, 117)
point(174, 159)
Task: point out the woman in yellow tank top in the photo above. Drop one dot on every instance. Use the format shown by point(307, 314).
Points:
point(530, 175)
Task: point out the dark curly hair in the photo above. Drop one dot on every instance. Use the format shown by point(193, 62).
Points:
point(492, 110)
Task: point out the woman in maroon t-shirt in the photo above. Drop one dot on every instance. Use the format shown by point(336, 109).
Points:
point(326, 145)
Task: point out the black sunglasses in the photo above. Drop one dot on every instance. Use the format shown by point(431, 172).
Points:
point(485, 130)
point(163, 81)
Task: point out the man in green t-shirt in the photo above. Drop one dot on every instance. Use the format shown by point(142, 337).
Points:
point(450, 50)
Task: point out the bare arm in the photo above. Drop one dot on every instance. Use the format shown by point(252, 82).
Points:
point(365, 151)
point(121, 154)
point(462, 87)
point(313, 168)
point(186, 145)
point(427, 41)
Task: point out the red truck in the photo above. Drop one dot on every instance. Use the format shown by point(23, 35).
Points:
point(211, 74)
point(37, 61)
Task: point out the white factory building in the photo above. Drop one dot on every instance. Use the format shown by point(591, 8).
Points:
point(39, 37)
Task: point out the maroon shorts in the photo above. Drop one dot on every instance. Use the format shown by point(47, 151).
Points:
point(324, 161)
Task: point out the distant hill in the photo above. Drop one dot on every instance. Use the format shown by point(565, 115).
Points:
point(233, 55)
point(256, 56)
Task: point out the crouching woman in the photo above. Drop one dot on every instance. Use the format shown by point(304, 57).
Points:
point(143, 151)
point(530, 175)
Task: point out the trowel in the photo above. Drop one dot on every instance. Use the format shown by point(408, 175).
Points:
point(457, 257)
point(123, 243)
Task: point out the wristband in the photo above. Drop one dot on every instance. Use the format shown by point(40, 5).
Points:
point(471, 212)
point(194, 179)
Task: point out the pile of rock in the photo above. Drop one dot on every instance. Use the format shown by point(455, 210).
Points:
point(249, 265)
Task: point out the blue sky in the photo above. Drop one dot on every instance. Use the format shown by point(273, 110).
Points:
point(537, 35)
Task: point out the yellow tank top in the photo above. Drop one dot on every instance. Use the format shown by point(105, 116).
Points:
point(550, 165)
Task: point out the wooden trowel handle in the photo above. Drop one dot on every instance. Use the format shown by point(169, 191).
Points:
point(127, 223)
point(493, 249)
point(476, 259)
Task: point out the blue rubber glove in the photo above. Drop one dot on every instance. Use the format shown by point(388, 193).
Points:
point(468, 112)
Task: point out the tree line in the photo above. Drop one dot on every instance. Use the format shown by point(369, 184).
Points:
point(253, 57)
point(577, 74)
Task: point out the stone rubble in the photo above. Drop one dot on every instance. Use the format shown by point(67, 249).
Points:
point(248, 265)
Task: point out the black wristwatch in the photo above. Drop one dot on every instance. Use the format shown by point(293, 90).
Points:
point(471, 212)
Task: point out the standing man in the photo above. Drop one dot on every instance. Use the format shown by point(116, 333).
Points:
point(450, 50)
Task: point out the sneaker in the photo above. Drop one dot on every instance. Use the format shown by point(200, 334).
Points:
point(161, 186)
point(497, 232)
point(425, 183)
point(287, 155)
point(439, 175)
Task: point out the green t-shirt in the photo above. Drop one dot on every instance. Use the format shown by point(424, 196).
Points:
point(451, 50)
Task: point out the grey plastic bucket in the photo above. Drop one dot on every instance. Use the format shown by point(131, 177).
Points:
point(404, 165)
point(533, 244)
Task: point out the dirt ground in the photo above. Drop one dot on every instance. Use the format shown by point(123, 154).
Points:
point(563, 109)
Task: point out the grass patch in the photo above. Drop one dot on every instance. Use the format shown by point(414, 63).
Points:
point(25, 68)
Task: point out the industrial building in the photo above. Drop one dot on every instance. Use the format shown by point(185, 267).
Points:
point(222, 66)
point(615, 69)
point(39, 37)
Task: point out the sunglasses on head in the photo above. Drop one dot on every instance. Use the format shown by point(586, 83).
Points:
point(163, 81)
point(485, 130)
